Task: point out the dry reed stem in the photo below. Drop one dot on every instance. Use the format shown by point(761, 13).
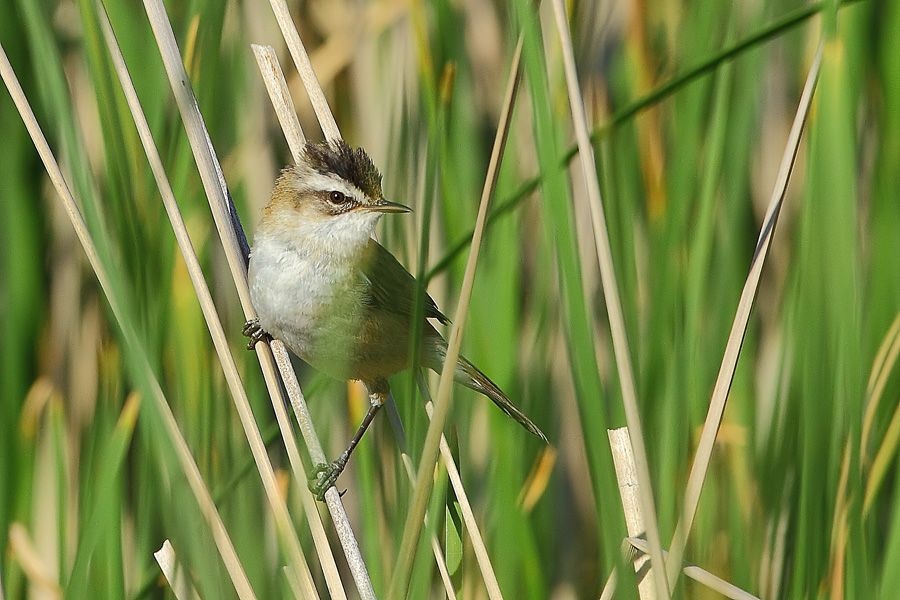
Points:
point(281, 101)
point(276, 87)
point(280, 97)
point(207, 305)
point(174, 573)
point(224, 216)
point(482, 557)
point(272, 75)
point(465, 507)
point(440, 561)
point(613, 303)
point(700, 575)
point(182, 451)
point(317, 454)
point(424, 481)
point(626, 475)
point(639, 546)
point(304, 68)
point(298, 402)
point(739, 327)
point(331, 131)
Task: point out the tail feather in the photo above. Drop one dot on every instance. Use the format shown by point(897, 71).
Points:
point(468, 375)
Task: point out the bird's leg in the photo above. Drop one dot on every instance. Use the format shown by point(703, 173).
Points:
point(324, 476)
point(253, 330)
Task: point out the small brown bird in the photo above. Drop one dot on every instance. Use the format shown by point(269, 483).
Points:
point(336, 297)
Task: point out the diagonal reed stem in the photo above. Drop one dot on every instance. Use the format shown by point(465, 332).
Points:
point(613, 303)
point(298, 402)
point(727, 589)
point(304, 68)
point(279, 95)
point(482, 557)
point(208, 308)
point(719, 399)
point(236, 251)
point(234, 244)
point(331, 131)
point(158, 401)
point(424, 481)
point(635, 544)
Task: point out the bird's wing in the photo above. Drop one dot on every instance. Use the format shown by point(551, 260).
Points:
point(390, 287)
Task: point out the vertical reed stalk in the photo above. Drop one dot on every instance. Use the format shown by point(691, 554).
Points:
point(613, 304)
point(284, 109)
point(424, 481)
point(208, 308)
point(234, 243)
point(700, 465)
point(143, 372)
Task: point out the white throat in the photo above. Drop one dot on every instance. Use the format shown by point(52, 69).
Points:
point(337, 237)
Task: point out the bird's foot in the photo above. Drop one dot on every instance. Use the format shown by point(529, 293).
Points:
point(253, 330)
point(324, 476)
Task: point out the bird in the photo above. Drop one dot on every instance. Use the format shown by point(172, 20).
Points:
point(338, 299)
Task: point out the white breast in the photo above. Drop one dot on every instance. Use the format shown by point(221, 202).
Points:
point(305, 297)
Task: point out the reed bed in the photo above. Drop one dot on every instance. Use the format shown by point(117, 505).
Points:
point(652, 282)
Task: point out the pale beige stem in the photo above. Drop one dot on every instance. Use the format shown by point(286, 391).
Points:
point(739, 327)
point(216, 191)
point(613, 303)
point(280, 96)
point(189, 466)
point(394, 418)
point(699, 575)
point(482, 557)
point(703, 576)
point(304, 67)
point(424, 481)
point(217, 332)
point(272, 75)
point(287, 117)
point(178, 581)
point(481, 554)
point(626, 475)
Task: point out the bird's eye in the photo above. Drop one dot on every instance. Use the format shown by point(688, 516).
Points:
point(337, 197)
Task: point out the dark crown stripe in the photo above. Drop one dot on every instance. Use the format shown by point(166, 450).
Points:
point(338, 158)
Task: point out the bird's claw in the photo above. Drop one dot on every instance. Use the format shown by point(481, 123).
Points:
point(253, 330)
point(323, 478)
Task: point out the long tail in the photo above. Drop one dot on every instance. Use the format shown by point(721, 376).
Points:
point(470, 376)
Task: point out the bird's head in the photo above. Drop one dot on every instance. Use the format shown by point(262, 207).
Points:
point(332, 197)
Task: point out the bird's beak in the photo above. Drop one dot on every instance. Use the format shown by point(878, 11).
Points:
point(385, 206)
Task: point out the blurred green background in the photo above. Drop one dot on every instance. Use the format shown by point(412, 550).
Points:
point(800, 500)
